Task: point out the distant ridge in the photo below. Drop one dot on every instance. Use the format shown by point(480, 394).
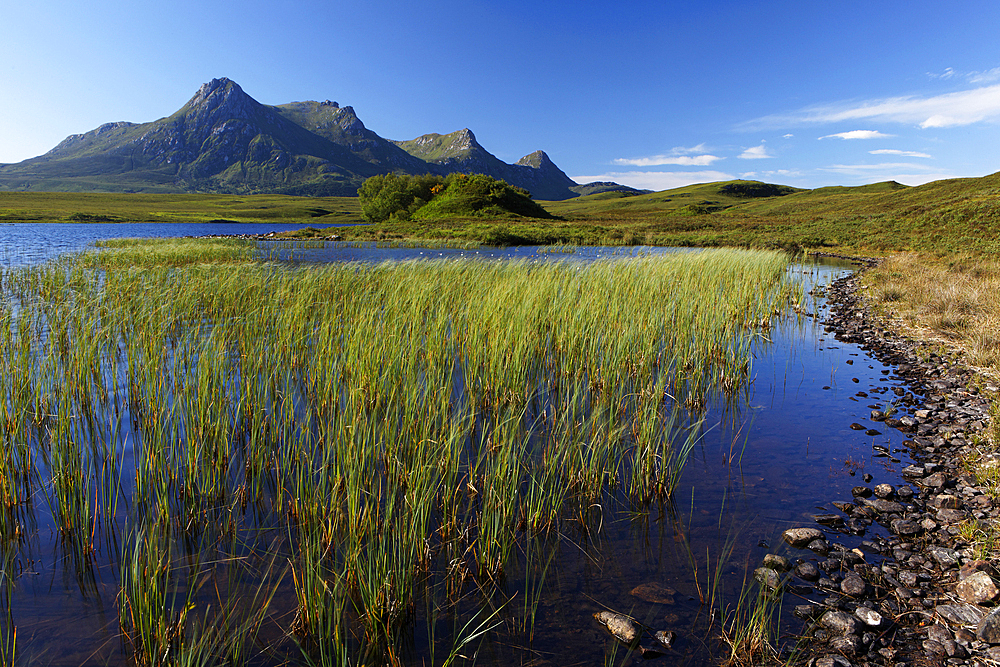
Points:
point(222, 140)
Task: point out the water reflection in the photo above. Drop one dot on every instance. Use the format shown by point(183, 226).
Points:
point(764, 464)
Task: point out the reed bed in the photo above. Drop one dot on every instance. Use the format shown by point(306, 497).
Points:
point(407, 437)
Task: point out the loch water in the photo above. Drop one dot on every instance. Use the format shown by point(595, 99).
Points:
point(767, 461)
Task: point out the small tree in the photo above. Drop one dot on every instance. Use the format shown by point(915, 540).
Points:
point(396, 196)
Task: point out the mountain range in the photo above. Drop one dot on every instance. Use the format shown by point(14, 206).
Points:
point(225, 141)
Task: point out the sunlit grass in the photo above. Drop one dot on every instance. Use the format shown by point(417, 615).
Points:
point(396, 433)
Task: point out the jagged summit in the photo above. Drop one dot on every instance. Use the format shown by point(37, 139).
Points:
point(216, 89)
point(538, 160)
point(223, 140)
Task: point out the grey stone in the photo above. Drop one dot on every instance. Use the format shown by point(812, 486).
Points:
point(939, 633)
point(949, 516)
point(868, 616)
point(848, 645)
point(884, 506)
point(853, 585)
point(977, 588)
point(884, 490)
point(954, 649)
point(807, 570)
point(776, 562)
point(832, 661)
point(945, 501)
point(934, 648)
point(839, 623)
point(945, 557)
point(989, 627)
point(937, 480)
point(767, 577)
point(960, 614)
point(800, 537)
point(819, 546)
point(906, 527)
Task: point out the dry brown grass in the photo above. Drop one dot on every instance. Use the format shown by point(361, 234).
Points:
point(953, 301)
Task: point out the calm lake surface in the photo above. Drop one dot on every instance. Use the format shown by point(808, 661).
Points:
point(769, 462)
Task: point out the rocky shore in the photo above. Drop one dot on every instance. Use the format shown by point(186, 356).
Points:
point(917, 595)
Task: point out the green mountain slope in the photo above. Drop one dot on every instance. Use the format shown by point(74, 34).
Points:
point(460, 152)
point(224, 141)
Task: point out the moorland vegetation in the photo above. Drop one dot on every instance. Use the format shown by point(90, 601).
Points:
point(294, 377)
point(219, 435)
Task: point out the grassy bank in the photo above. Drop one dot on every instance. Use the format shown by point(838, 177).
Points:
point(350, 464)
point(109, 207)
point(953, 301)
point(953, 216)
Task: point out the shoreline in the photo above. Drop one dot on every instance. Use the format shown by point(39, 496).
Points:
point(928, 601)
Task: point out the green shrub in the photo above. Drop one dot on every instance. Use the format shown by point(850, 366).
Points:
point(400, 197)
point(395, 196)
point(478, 195)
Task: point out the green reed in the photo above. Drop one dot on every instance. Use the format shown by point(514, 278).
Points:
point(385, 429)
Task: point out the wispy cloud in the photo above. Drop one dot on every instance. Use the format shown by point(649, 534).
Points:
point(946, 74)
point(859, 134)
point(657, 180)
point(988, 76)
point(755, 153)
point(901, 172)
point(892, 151)
point(776, 173)
point(693, 156)
point(947, 110)
point(680, 160)
point(866, 168)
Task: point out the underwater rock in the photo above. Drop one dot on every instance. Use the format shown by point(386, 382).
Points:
point(767, 577)
point(654, 592)
point(776, 562)
point(666, 637)
point(800, 537)
point(621, 627)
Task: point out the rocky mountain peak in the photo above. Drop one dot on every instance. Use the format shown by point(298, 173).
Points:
point(221, 95)
point(536, 160)
point(349, 121)
point(465, 139)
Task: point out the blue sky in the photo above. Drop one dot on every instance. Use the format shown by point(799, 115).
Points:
point(650, 94)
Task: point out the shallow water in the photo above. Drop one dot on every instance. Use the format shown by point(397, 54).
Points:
point(24, 243)
point(764, 464)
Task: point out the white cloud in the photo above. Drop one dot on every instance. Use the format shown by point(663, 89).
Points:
point(755, 153)
point(681, 160)
point(892, 151)
point(859, 134)
point(657, 180)
point(989, 76)
point(947, 110)
point(693, 156)
point(946, 74)
point(787, 136)
point(693, 150)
